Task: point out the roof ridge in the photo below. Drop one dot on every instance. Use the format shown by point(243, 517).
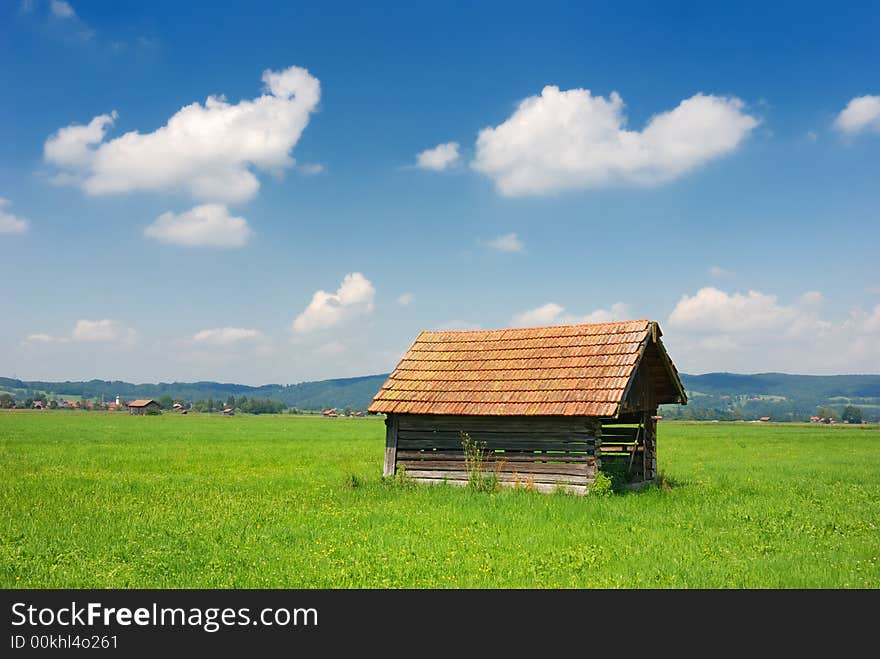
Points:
point(537, 327)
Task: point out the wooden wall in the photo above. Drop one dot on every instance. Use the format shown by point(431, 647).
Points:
point(542, 453)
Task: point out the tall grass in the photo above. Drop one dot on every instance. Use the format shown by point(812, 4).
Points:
point(108, 500)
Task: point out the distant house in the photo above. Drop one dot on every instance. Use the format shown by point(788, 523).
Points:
point(229, 412)
point(38, 405)
point(178, 406)
point(141, 406)
point(764, 419)
point(331, 412)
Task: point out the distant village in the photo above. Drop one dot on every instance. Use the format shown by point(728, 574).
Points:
point(166, 404)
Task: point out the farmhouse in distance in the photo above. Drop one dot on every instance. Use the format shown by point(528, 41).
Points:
point(552, 405)
point(143, 406)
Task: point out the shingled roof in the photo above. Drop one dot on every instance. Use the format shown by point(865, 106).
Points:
point(141, 402)
point(568, 370)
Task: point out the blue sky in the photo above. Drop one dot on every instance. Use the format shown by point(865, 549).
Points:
point(713, 168)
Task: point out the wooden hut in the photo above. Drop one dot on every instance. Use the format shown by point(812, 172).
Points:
point(552, 405)
point(141, 406)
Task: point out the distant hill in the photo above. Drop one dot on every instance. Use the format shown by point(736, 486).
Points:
point(781, 384)
point(712, 395)
point(355, 392)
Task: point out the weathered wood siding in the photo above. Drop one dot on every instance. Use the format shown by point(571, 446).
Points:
point(631, 448)
point(542, 453)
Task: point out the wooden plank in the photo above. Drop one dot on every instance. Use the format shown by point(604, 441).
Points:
point(619, 433)
point(525, 456)
point(391, 426)
point(479, 435)
point(501, 443)
point(574, 447)
point(502, 467)
point(502, 477)
point(496, 423)
point(546, 488)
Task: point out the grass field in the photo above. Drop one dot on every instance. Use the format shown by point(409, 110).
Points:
point(108, 500)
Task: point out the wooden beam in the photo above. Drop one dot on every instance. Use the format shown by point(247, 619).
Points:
point(391, 424)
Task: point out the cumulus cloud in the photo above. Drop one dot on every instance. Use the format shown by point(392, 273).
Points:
point(226, 336)
point(572, 139)
point(406, 299)
point(88, 331)
point(311, 169)
point(509, 242)
point(439, 158)
point(547, 314)
point(720, 273)
point(61, 9)
point(767, 334)
point(208, 225)
point(860, 114)
point(10, 223)
point(554, 314)
point(206, 150)
point(353, 298)
point(43, 339)
point(102, 331)
point(711, 309)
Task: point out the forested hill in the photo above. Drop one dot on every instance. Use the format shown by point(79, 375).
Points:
point(713, 395)
point(781, 384)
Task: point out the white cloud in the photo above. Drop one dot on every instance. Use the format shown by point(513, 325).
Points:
point(768, 335)
point(10, 223)
point(860, 114)
point(102, 331)
point(208, 225)
point(812, 136)
point(711, 309)
point(354, 297)
point(439, 158)
point(509, 242)
point(406, 299)
point(71, 146)
point(39, 338)
point(61, 9)
point(44, 339)
point(547, 314)
point(554, 314)
point(572, 139)
point(207, 150)
point(720, 273)
point(311, 169)
point(618, 311)
point(226, 336)
point(88, 331)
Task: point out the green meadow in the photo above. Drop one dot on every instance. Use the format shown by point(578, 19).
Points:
point(104, 500)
